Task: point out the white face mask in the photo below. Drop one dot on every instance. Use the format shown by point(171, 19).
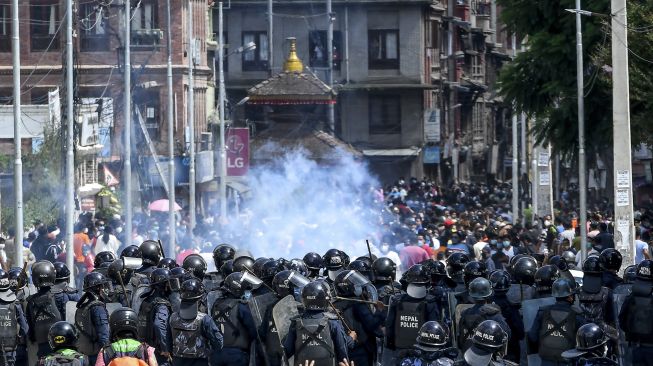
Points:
point(333, 274)
point(119, 230)
point(415, 291)
point(385, 248)
point(547, 223)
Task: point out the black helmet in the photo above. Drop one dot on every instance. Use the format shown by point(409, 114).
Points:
point(151, 252)
point(562, 287)
point(592, 266)
point(437, 270)
point(569, 257)
point(456, 262)
point(62, 335)
point(244, 263)
point(123, 323)
point(480, 288)
point(351, 283)
point(227, 268)
point(489, 334)
point(367, 259)
point(589, 337)
point(93, 280)
point(285, 282)
point(432, 336)
point(5, 284)
point(474, 270)
point(313, 261)
point(524, 270)
point(239, 282)
point(514, 259)
point(62, 272)
point(315, 296)
point(559, 262)
point(630, 273)
point(104, 259)
point(258, 265)
point(500, 280)
point(132, 251)
point(159, 277)
point(611, 259)
point(223, 253)
point(195, 265)
point(299, 266)
point(417, 275)
point(168, 263)
point(270, 269)
point(192, 289)
point(363, 267)
point(544, 278)
point(645, 270)
point(17, 278)
point(43, 274)
point(335, 259)
point(384, 269)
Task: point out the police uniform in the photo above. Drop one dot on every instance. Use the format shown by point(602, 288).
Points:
point(611, 279)
point(193, 340)
point(635, 321)
point(273, 350)
point(445, 357)
point(41, 313)
point(366, 324)
point(62, 294)
point(472, 317)
point(234, 319)
point(554, 331)
point(92, 321)
point(12, 328)
point(316, 335)
point(154, 325)
point(512, 316)
point(21, 349)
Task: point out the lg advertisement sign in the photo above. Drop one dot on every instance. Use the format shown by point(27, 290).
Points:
point(237, 141)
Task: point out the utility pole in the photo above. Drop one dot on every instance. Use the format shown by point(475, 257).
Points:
point(534, 187)
point(171, 141)
point(70, 158)
point(515, 152)
point(18, 162)
point(191, 117)
point(127, 166)
point(270, 37)
point(623, 182)
point(524, 165)
point(451, 76)
point(580, 80)
point(223, 150)
point(331, 108)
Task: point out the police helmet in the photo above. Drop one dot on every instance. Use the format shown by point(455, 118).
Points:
point(562, 287)
point(514, 259)
point(123, 323)
point(480, 288)
point(367, 259)
point(437, 269)
point(269, 269)
point(5, 284)
point(227, 268)
point(384, 269)
point(544, 278)
point(62, 272)
point(132, 251)
point(611, 259)
point(223, 253)
point(569, 257)
point(195, 265)
point(299, 266)
point(559, 262)
point(489, 334)
point(431, 336)
point(168, 263)
point(258, 265)
point(191, 289)
point(592, 266)
point(43, 274)
point(17, 278)
point(239, 282)
point(630, 273)
point(315, 296)
point(589, 337)
point(151, 252)
point(335, 259)
point(645, 270)
point(456, 262)
point(417, 274)
point(500, 280)
point(286, 282)
point(103, 259)
point(313, 261)
point(159, 277)
point(93, 281)
point(474, 269)
point(117, 272)
point(361, 266)
point(524, 270)
point(62, 335)
point(243, 263)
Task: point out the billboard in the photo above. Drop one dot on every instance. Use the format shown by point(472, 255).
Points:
point(237, 145)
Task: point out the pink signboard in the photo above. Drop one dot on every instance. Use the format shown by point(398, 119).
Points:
point(237, 141)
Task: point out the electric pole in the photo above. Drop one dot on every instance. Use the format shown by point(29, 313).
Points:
point(171, 141)
point(18, 159)
point(221, 97)
point(331, 108)
point(70, 140)
point(582, 183)
point(515, 152)
point(191, 118)
point(127, 114)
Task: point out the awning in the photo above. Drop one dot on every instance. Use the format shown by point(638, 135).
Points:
point(412, 151)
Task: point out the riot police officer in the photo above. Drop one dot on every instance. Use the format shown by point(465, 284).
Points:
point(351, 286)
point(62, 292)
point(362, 266)
point(610, 260)
point(234, 318)
point(102, 261)
point(480, 290)
point(488, 340)
point(471, 271)
point(195, 265)
point(501, 283)
point(317, 334)
point(154, 316)
point(594, 299)
point(407, 312)
point(221, 254)
point(131, 251)
point(14, 325)
point(335, 260)
point(168, 263)
point(92, 317)
point(194, 334)
point(384, 272)
point(63, 341)
point(591, 347)
point(431, 347)
point(523, 278)
point(124, 344)
point(635, 315)
point(299, 266)
point(151, 255)
point(455, 265)
point(17, 283)
point(42, 311)
point(555, 326)
point(314, 263)
point(569, 257)
point(544, 278)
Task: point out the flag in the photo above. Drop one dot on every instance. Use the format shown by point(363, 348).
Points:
point(109, 179)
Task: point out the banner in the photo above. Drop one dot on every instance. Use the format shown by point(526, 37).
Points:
point(237, 145)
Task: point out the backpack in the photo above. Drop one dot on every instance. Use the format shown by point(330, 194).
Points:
point(59, 359)
point(136, 358)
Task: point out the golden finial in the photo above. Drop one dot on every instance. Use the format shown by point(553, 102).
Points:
point(293, 63)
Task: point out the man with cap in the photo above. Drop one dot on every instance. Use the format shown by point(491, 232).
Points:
point(124, 332)
point(431, 347)
point(488, 341)
point(591, 347)
point(63, 340)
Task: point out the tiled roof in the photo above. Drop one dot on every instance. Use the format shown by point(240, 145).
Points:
point(291, 88)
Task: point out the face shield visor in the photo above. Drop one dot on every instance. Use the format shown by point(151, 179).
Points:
point(363, 287)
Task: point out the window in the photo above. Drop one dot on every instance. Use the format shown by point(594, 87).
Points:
point(478, 68)
point(256, 60)
point(383, 46)
point(145, 24)
point(317, 49)
point(150, 108)
point(91, 28)
point(5, 28)
point(384, 114)
point(44, 26)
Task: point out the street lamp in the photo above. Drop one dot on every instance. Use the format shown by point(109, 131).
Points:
point(250, 46)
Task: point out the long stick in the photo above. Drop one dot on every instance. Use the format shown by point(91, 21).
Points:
point(357, 300)
point(369, 250)
point(340, 317)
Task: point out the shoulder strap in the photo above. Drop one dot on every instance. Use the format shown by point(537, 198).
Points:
point(315, 336)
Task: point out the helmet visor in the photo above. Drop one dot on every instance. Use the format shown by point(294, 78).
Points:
point(363, 287)
point(298, 280)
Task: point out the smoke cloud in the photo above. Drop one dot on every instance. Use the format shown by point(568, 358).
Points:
point(297, 206)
